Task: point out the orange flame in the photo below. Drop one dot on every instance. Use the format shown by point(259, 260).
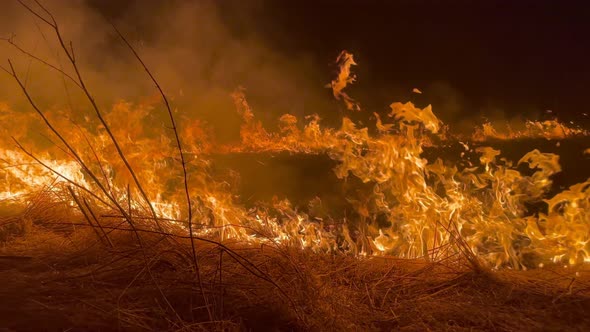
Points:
point(415, 208)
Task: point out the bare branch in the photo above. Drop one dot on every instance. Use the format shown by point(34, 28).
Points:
point(6, 70)
point(97, 222)
point(73, 194)
point(70, 54)
point(69, 51)
point(46, 11)
point(111, 136)
point(72, 182)
point(182, 161)
point(29, 54)
point(37, 14)
point(68, 146)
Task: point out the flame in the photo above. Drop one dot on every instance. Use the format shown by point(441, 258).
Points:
point(414, 208)
point(345, 61)
point(549, 129)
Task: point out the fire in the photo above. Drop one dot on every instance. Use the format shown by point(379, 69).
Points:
point(345, 60)
point(549, 129)
point(415, 208)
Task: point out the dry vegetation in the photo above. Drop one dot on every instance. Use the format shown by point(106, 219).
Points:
point(58, 275)
point(78, 266)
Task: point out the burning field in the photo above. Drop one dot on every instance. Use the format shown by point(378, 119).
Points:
point(137, 216)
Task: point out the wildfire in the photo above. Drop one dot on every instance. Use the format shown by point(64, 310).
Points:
point(549, 129)
point(415, 208)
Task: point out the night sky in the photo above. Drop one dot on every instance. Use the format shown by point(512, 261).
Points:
point(481, 58)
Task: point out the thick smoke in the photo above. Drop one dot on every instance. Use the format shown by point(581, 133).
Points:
point(200, 51)
point(189, 46)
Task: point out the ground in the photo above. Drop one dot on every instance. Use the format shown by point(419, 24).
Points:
point(60, 279)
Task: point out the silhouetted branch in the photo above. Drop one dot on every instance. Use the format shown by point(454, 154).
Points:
point(182, 162)
point(71, 56)
point(31, 55)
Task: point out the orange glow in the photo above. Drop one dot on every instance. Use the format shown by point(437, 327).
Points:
point(549, 129)
point(427, 209)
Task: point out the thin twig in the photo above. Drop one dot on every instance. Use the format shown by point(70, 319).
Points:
point(73, 194)
point(34, 57)
point(106, 236)
point(99, 115)
point(100, 166)
point(182, 161)
point(70, 181)
point(71, 56)
point(245, 263)
point(221, 281)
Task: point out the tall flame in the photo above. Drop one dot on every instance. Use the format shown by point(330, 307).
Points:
point(345, 77)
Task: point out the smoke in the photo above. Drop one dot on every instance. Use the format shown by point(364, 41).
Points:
point(200, 51)
point(463, 114)
point(193, 51)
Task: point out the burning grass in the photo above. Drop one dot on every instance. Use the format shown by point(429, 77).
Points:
point(121, 227)
point(58, 275)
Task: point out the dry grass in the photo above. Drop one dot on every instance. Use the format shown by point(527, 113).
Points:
point(59, 273)
point(56, 275)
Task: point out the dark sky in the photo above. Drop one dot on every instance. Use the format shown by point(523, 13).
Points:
point(513, 56)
